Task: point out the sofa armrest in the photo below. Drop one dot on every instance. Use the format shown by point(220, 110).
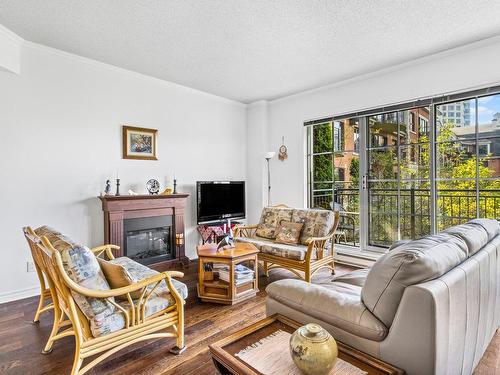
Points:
point(319, 244)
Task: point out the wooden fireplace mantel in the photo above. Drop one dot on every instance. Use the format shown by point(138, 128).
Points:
point(119, 208)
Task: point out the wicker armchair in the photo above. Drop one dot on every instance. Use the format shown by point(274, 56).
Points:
point(313, 254)
point(45, 294)
point(139, 324)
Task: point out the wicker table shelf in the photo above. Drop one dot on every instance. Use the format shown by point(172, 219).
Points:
point(220, 291)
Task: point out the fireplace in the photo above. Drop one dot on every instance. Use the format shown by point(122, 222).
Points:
point(148, 240)
point(147, 228)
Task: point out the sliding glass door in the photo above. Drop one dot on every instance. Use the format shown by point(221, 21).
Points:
point(398, 182)
point(407, 173)
point(334, 173)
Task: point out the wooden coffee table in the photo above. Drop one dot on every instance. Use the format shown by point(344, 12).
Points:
point(223, 351)
point(220, 291)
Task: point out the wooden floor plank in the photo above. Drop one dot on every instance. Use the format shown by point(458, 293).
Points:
point(21, 341)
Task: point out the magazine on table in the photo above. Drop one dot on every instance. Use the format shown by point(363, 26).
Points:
point(242, 274)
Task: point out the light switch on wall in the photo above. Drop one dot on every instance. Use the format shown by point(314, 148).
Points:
point(30, 267)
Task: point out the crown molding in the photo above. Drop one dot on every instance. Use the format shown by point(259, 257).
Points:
point(12, 36)
point(117, 69)
point(258, 103)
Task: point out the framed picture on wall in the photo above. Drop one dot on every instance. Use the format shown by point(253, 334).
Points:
point(139, 143)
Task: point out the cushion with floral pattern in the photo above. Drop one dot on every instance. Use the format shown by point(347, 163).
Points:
point(270, 219)
point(289, 232)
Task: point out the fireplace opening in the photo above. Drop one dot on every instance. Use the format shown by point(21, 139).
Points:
point(149, 240)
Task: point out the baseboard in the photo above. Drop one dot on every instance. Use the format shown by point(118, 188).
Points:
point(19, 294)
point(352, 261)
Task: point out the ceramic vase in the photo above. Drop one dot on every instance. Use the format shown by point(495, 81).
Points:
point(313, 350)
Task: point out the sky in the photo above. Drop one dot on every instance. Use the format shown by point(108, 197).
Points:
point(486, 108)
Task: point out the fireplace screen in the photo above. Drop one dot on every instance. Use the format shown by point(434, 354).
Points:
point(148, 240)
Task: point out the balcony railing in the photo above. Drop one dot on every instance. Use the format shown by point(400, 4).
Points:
point(452, 207)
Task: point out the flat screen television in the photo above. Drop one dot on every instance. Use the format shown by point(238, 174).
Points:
point(220, 200)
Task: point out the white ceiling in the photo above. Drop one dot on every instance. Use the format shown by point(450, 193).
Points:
point(252, 49)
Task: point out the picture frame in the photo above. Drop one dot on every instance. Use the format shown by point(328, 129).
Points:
point(139, 143)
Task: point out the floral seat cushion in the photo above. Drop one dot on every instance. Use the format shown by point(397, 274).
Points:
point(270, 219)
point(258, 242)
point(138, 272)
point(295, 252)
point(159, 300)
point(317, 223)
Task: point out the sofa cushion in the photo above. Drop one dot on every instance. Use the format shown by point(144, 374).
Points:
point(397, 244)
point(159, 300)
point(335, 303)
point(45, 230)
point(256, 241)
point(411, 263)
point(317, 223)
point(491, 226)
point(82, 267)
point(136, 272)
point(270, 218)
point(474, 235)
point(357, 277)
point(295, 252)
point(289, 232)
point(117, 276)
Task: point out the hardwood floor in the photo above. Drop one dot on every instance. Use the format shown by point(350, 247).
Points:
point(21, 341)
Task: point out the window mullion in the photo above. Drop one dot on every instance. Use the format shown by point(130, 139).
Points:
point(432, 169)
point(477, 157)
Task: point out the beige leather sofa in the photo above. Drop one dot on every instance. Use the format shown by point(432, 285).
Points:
point(429, 306)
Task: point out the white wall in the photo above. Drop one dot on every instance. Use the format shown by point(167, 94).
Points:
point(10, 51)
point(458, 70)
point(60, 124)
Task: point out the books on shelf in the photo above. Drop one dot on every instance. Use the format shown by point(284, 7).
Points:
point(242, 274)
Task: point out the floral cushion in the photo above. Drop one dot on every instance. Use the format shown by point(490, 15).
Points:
point(270, 219)
point(289, 232)
point(256, 241)
point(161, 297)
point(317, 223)
point(82, 267)
point(295, 252)
point(46, 231)
point(137, 272)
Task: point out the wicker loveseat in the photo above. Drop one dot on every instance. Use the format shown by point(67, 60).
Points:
point(315, 249)
point(103, 319)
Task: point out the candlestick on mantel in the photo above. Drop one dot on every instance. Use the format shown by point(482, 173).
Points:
point(117, 187)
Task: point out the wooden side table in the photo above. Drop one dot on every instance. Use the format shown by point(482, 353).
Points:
point(220, 291)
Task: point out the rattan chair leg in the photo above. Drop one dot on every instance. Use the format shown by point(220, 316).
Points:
point(265, 268)
point(55, 329)
point(41, 303)
point(77, 362)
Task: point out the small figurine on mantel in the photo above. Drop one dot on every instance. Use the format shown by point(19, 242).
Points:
point(107, 189)
point(169, 189)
